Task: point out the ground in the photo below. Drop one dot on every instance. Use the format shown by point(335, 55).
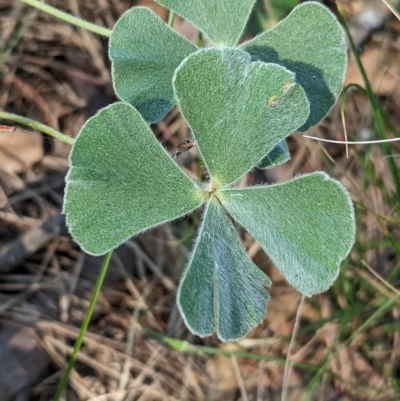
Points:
point(348, 341)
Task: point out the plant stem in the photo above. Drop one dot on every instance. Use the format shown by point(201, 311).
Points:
point(289, 363)
point(342, 110)
point(85, 324)
point(68, 17)
point(171, 17)
point(36, 125)
point(187, 348)
point(200, 40)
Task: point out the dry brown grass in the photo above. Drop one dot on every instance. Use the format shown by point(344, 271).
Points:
point(59, 75)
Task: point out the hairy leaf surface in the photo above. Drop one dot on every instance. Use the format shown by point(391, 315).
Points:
point(278, 155)
point(121, 181)
point(222, 21)
point(237, 110)
point(305, 225)
point(310, 42)
point(145, 53)
point(221, 289)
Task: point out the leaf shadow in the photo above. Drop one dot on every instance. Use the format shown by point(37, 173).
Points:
point(154, 110)
point(308, 76)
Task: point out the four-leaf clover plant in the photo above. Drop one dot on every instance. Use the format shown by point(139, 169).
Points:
point(241, 103)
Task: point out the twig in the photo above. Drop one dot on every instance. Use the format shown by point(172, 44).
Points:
point(239, 378)
point(392, 9)
point(289, 363)
point(380, 278)
point(122, 385)
point(352, 143)
point(13, 254)
point(166, 281)
point(6, 128)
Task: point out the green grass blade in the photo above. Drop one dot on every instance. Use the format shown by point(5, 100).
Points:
point(377, 110)
point(313, 384)
point(171, 17)
point(187, 348)
point(68, 17)
point(85, 324)
point(36, 125)
point(373, 318)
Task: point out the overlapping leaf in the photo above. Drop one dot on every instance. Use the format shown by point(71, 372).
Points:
point(278, 155)
point(311, 43)
point(221, 289)
point(121, 181)
point(222, 21)
point(145, 53)
point(305, 225)
point(241, 104)
point(237, 110)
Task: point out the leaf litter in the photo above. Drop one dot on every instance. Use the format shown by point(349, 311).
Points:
point(49, 291)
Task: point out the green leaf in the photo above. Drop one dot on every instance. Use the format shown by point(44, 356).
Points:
point(221, 289)
point(305, 225)
point(278, 155)
point(237, 110)
point(121, 181)
point(222, 21)
point(310, 42)
point(145, 53)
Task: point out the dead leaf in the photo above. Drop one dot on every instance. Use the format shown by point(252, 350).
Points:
point(20, 150)
point(382, 68)
point(220, 381)
point(282, 306)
